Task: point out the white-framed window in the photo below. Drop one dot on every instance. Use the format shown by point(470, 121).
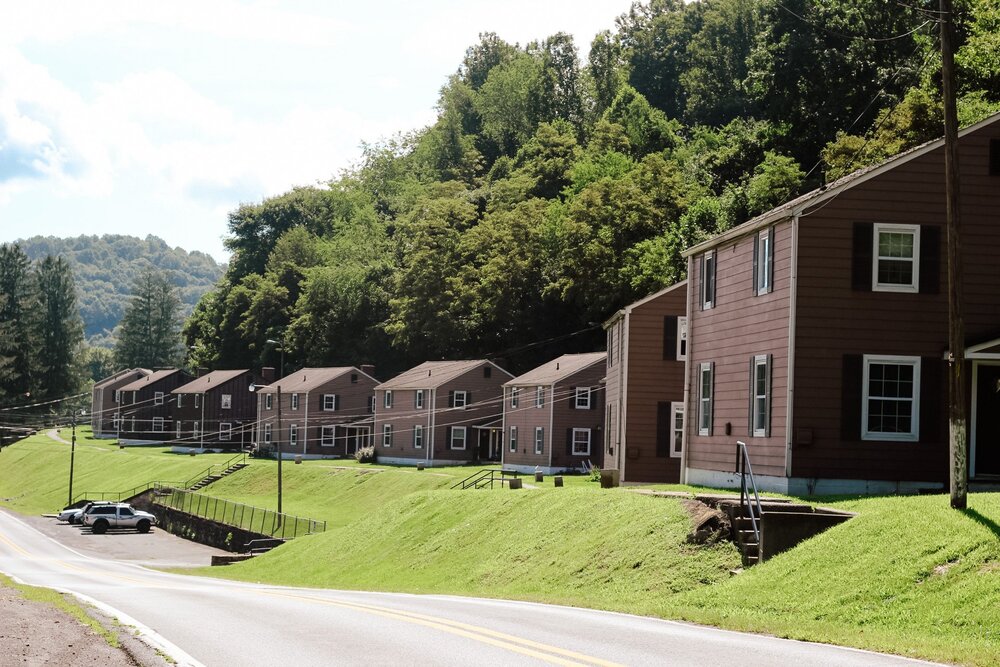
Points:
point(760, 396)
point(896, 258)
point(267, 434)
point(116, 421)
point(418, 399)
point(705, 390)
point(890, 408)
point(158, 398)
point(708, 280)
point(387, 435)
point(268, 401)
point(293, 434)
point(682, 338)
point(514, 392)
point(581, 442)
point(611, 346)
point(178, 400)
point(539, 439)
point(196, 431)
point(418, 437)
point(387, 399)
point(329, 402)
point(158, 424)
point(764, 256)
point(327, 436)
point(118, 396)
point(371, 404)
point(197, 401)
point(676, 429)
point(513, 438)
point(458, 437)
point(461, 399)
point(539, 397)
point(133, 397)
point(178, 430)
point(225, 431)
point(581, 399)
point(227, 401)
point(295, 401)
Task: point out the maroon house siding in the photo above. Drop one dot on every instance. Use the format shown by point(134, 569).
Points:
point(139, 410)
point(105, 400)
point(202, 404)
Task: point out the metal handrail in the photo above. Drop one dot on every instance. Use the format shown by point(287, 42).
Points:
point(487, 475)
point(745, 471)
point(118, 496)
point(208, 471)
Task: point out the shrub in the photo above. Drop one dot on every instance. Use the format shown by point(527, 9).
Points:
point(595, 474)
point(366, 454)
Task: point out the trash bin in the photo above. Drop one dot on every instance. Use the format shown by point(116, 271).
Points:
point(609, 479)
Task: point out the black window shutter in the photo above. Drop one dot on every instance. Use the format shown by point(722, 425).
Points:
point(704, 282)
point(771, 242)
point(670, 338)
point(711, 393)
point(448, 436)
point(572, 398)
point(711, 278)
point(664, 429)
point(756, 259)
point(932, 399)
point(451, 399)
point(468, 399)
point(753, 389)
point(994, 169)
point(336, 401)
point(569, 441)
point(593, 397)
point(930, 259)
point(767, 400)
point(851, 395)
point(861, 257)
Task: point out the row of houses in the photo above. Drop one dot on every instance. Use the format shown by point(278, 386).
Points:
point(817, 333)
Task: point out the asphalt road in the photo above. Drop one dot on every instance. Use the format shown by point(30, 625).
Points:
point(201, 621)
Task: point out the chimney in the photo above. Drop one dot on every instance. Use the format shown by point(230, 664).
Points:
point(201, 371)
point(368, 369)
point(267, 375)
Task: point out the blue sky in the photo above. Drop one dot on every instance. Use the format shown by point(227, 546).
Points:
point(160, 118)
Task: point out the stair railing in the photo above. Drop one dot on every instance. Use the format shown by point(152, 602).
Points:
point(748, 506)
point(490, 476)
point(226, 465)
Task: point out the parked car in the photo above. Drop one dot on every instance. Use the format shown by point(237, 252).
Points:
point(118, 515)
point(71, 515)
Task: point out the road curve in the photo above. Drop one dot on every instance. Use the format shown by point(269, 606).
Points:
point(202, 621)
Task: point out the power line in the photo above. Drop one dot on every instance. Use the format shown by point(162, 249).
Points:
point(855, 37)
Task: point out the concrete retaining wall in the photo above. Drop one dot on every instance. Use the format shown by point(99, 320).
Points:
point(195, 528)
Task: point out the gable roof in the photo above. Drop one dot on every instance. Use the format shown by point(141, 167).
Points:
point(208, 382)
point(308, 379)
point(641, 302)
point(558, 369)
point(155, 376)
point(828, 191)
point(433, 374)
point(120, 375)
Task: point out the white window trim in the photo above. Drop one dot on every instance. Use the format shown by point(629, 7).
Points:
point(465, 398)
point(225, 431)
point(581, 430)
point(762, 281)
point(268, 401)
point(454, 431)
point(387, 435)
point(539, 439)
point(158, 398)
point(582, 393)
point(295, 401)
point(514, 392)
point(759, 361)
point(177, 401)
point(387, 399)
point(418, 436)
point(682, 336)
point(328, 436)
point(227, 401)
point(118, 396)
point(914, 434)
point(512, 441)
point(705, 408)
point(914, 286)
point(707, 303)
point(196, 431)
point(158, 424)
point(197, 401)
point(293, 434)
point(676, 409)
point(329, 402)
point(178, 430)
point(267, 434)
point(539, 397)
point(418, 399)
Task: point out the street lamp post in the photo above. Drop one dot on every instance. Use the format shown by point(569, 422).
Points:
point(72, 459)
point(278, 441)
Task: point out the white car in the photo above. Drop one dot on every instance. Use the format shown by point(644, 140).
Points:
point(119, 515)
point(71, 515)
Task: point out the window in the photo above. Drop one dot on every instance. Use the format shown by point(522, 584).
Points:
point(329, 402)
point(387, 435)
point(708, 280)
point(418, 437)
point(611, 346)
point(197, 400)
point(267, 434)
point(293, 434)
point(158, 398)
point(682, 338)
point(513, 438)
point(227, 401)
point(418, 399)
point(354, 378)
point(705, 398)
point(118, 396)
point(158, 424)
point(371, 404)
point(760, 396)
point(179, 396)
point(387, 403)
point(896, 260)
point(178, 431)
point(132, 427)
point(458, 437)
point(763, 262)
point(124, 512)
point(581, 442)
point(677, 429)
point(295, 401)
point(514, 391)
point(891, 396)
point(225, 431)
point(268, 401)
point(196, 431)
point(539, 439)
point(487, 371)
point(461, 399)
point(327, 436)
point(539, 396)
point(581, 400)
point(116, 422)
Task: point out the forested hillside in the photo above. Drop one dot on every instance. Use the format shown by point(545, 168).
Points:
point(561, 181)
point(106, 268)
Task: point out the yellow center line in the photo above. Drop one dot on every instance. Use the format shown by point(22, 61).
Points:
point(485, 635)
point(14, 546)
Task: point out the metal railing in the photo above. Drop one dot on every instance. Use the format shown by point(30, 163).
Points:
point(748, 507)
point(245, 517)
point(487, 476)
point(120, 496)
point(226, 465)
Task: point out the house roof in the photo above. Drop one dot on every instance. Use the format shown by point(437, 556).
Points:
point(111, 379)
point(828, 191)
point(308, 379)
point(433, 374)
point(155, 376)
point(629, 308)
point(209, 382)
point(558, 369)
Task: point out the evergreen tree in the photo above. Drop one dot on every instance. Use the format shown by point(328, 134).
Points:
point(16, 300)
point(150, 330)
point(57, 355)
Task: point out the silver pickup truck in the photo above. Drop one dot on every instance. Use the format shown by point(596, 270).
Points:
point(119, 515)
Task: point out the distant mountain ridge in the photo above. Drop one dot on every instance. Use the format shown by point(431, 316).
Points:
point(105, 269)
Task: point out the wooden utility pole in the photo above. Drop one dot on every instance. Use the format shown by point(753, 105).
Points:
point(957, 431)
point(278, 442)
point(72, 460)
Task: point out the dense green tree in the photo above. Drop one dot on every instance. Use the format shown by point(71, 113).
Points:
point(16, 303)
point(149, 335)
point(56, 332)
point(510, 102)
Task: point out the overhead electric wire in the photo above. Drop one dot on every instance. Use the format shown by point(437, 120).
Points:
point(854, 37)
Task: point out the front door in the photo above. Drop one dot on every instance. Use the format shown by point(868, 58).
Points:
point(987, 421)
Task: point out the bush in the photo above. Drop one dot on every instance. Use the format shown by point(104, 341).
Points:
point(595, 474)
point(366, 455)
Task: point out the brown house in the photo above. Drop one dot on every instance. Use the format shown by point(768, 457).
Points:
point(644, 411)
point(105, 400)
point(217, 410)
point(553, 415)
point(819, 331)
point(441, 413)
point(145, 412)
point(325, 412)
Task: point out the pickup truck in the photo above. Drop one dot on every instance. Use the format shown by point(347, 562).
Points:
point(119, 515)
